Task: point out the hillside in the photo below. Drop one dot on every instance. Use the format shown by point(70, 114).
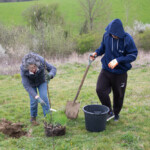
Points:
point(11, 13)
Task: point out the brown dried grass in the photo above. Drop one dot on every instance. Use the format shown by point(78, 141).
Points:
point(11, 65)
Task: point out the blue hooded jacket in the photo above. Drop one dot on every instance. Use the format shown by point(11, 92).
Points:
point(122, 49)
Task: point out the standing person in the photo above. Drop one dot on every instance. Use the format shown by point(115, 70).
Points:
point(118, 50)
point(36, 74)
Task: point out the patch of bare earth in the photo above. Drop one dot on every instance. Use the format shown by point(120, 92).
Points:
point(12, 129)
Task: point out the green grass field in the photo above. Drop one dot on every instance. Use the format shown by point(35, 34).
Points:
point(11, 13)
point(130, 132)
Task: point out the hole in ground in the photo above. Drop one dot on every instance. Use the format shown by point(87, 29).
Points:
point(54, 130)
point(12, 129)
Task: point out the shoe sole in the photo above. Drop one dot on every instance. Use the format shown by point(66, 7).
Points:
point(116, 120)
point(110, 118)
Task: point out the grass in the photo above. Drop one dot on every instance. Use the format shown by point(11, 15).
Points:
point(131, 132)
point(11, 13)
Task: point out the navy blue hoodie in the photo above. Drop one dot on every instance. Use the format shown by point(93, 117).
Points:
point(122, 49)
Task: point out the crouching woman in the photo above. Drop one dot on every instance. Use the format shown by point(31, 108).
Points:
point(36, 74)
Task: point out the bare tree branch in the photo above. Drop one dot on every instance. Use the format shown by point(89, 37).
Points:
point(93, 9)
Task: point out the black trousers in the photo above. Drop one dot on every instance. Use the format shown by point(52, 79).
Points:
point(117, 82)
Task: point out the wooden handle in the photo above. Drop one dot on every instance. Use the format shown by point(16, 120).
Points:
point(81, 83)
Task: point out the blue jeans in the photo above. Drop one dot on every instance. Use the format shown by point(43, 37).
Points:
point(42, 88)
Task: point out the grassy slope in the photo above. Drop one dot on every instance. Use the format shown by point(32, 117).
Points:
point(10, 13)
point(138, 9)
point(131, 132)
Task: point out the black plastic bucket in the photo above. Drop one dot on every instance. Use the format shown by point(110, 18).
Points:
point(95, 117)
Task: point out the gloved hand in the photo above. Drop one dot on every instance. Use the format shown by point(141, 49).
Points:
point(41, 101)
point(112, 64)
point(93, 56)
point(48, 77)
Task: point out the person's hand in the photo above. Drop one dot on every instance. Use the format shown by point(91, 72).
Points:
point(112, 64)
point(41, 101)
point(93, 56)
point(48, 77)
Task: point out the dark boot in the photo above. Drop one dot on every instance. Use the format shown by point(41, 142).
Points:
point(33, 121)
point(116, 118)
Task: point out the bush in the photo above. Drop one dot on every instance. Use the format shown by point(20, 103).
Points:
point(51, 41)
point(49, 37)
point(143, 40)
point(46, 14)
point(13, 39)
point(87, 42)
point(137, 27)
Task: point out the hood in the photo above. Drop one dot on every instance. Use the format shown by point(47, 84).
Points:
point(116, 28)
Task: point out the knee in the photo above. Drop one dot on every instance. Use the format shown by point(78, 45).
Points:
point(33, 104)
point(44, 97)
point(98, 90)
point(102, 93)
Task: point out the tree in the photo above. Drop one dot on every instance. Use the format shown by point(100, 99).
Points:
point(94, 9)
point(84, 29)
point(128, 6)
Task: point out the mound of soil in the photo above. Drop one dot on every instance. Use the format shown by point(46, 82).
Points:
point(12, 129)
point(54, 130)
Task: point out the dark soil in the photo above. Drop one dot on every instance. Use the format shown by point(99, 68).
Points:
point(54, 130)
point(12, 129)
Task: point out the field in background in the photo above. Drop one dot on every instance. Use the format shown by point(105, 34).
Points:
point(11, 13)
point(131, 132)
